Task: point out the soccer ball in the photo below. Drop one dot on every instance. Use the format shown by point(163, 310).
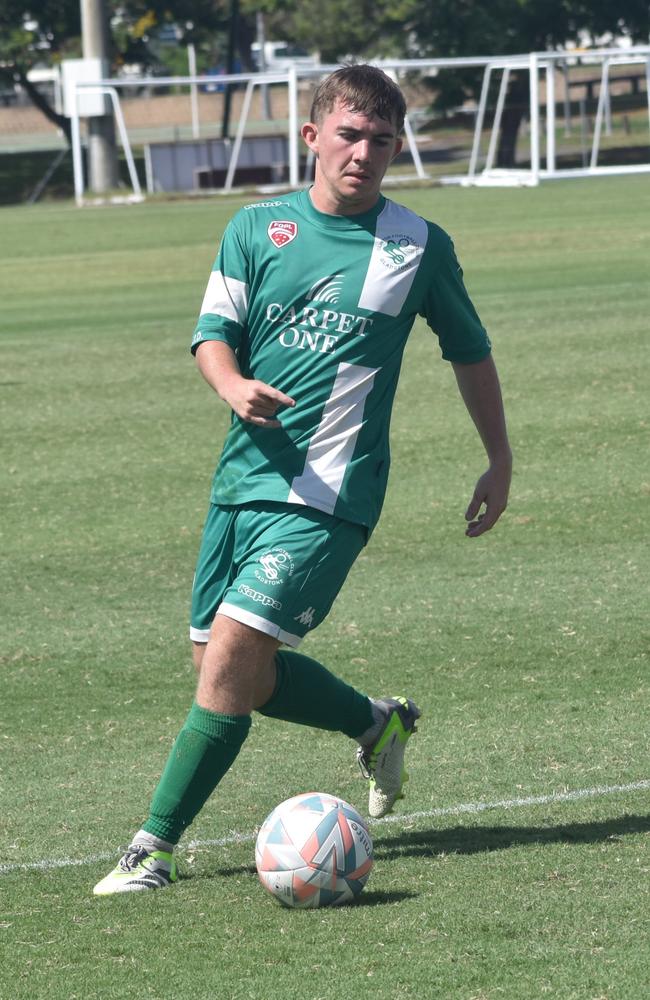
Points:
point(314, 850)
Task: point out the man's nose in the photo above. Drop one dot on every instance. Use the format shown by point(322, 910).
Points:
point(362, 151)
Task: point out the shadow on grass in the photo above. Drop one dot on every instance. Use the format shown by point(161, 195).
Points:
point(366, 898)
point(460, 840)
point(477, 839)
point(370, 898)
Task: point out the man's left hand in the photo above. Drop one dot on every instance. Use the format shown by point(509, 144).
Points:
point(492, 490)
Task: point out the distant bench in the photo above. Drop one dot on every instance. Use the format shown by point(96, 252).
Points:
point(191, 164)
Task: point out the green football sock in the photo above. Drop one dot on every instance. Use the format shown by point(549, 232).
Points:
point(307, 693)
point(205, 748)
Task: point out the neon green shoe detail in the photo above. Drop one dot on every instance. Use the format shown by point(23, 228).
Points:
point(138, 869)
point(383, 762)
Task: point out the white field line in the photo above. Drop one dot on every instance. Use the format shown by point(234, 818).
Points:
point(471, 808)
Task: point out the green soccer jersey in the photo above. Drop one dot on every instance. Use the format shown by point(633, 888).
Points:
point(320, 306)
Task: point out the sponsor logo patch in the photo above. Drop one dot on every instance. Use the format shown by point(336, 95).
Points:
point(327, 289)
point(281, 232)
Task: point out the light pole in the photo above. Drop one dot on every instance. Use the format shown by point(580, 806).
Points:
point(102, 151)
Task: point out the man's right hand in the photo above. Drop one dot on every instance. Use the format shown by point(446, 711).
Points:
point(252, 400)
point(255, 401)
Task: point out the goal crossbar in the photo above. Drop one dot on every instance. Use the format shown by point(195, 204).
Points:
point(534, 63)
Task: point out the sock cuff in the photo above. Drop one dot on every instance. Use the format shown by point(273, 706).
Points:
point(145, 838)
point(226, 728)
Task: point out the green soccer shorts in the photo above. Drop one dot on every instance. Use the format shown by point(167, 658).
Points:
point(274, 566)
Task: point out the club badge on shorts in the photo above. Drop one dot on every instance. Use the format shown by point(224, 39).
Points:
point(280, 232)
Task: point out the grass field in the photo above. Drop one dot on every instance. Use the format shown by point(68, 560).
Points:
point(518, 866)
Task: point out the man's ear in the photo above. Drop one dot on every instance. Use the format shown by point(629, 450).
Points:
point(309, 132)
point(398, 148)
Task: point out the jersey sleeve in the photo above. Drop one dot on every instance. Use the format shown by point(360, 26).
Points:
point(450, 313)
point(224, 310)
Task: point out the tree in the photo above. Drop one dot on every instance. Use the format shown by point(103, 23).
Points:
point(26, 34)
point(48, 31)
point(449, 28)
point(452, 28)
point(336, 28)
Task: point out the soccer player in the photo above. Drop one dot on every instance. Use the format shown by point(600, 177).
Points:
point(302, 330)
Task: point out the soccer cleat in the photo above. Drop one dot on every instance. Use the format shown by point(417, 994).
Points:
point(139, 868)
point(383, 762)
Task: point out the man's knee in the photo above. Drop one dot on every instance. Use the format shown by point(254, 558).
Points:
point(236, 667)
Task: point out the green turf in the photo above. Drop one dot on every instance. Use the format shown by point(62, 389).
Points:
point(527, 649)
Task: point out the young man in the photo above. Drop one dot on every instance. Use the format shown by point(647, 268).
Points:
point(301, 332)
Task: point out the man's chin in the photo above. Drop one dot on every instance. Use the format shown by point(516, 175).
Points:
point(359, 194)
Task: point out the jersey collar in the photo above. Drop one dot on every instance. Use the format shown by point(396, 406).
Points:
point(364, 220)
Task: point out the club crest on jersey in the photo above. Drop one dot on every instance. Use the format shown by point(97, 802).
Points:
point(398, 251)
point(281, 232)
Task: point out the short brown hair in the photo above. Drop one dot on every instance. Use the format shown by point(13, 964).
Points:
point(364, 89)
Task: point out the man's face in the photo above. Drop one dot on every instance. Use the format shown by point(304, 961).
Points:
point(353, 153)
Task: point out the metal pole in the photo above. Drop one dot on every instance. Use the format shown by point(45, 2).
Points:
point(602, 99)
point(230, 66)
point(478, 128)
point(77, 159)
point(243, 118)
point(261, 41)
point(534, 117)
point(496, 124)
point(567, 100)
point(126, 145)
point(410, 139)
point(413, 149)
point(194, 96)
point(102, 149)
point(550, 117)
point(292, 83)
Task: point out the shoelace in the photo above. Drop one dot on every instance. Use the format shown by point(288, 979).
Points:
point(365, 762)
point(132, 857)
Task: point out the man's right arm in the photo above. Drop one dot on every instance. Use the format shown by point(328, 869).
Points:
point(252, 400)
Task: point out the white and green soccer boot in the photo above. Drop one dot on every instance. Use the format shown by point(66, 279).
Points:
point(138, 869)
point(383, 762)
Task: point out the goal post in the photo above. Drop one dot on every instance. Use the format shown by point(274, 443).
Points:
point(466, 139)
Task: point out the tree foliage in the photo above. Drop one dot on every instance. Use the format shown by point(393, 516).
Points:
point(336, 28)
point(456, 28)
point(48, 30)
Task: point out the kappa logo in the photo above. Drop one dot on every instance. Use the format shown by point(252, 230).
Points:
point(306, 617)
point(281, 232)
point(276, 564)
point(255, 595)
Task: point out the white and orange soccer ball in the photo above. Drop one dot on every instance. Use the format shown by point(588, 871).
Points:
point(314, 850)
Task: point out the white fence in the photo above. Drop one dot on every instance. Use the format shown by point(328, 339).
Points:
point(543, 68)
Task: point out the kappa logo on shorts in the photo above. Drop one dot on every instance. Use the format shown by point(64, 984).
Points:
point(255, 595)
point(276, 565)
point(281, 232)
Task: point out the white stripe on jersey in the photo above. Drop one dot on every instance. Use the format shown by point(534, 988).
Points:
point(400, 239)
point(226, 297)
point(333, 442)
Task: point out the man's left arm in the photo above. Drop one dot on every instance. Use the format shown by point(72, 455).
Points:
point(479, 387)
